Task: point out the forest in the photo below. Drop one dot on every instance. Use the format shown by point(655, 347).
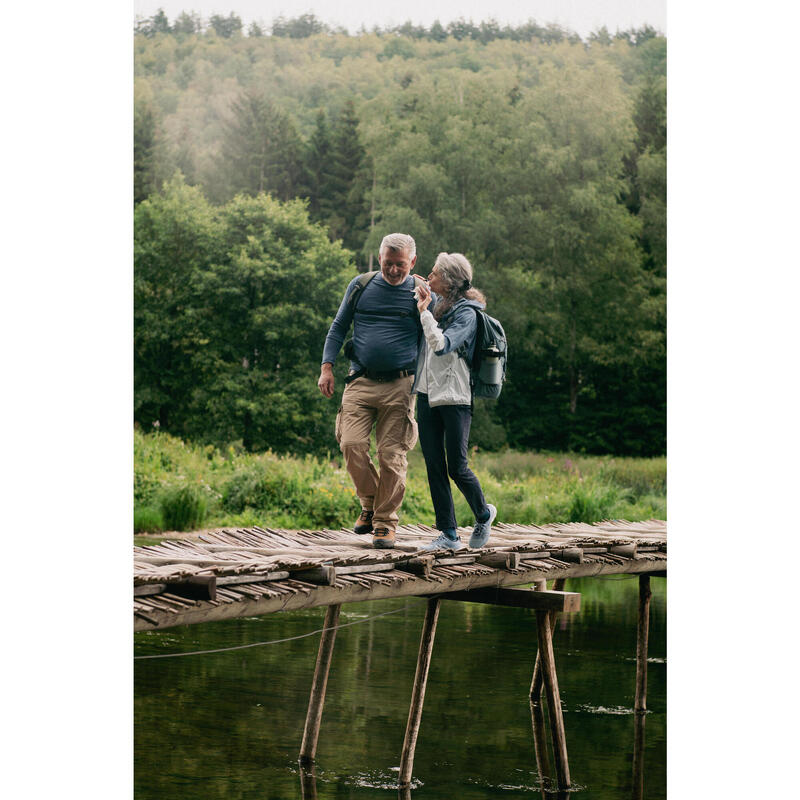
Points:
point(270, 162)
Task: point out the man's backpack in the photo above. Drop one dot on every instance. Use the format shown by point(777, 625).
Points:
point(488, 367)
point(363, 279)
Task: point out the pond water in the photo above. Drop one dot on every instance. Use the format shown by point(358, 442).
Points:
point(229, 725)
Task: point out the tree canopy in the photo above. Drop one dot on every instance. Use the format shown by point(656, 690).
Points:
point(540, 156)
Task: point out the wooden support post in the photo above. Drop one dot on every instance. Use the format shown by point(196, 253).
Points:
point(536, 681)
point(640, 699)
point(553, 698)
point(418, 692)
point(640, 702)
point(308, 749)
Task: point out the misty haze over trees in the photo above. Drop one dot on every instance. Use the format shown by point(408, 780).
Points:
point(269, 163)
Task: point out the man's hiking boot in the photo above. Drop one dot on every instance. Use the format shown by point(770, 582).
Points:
point(364, 522)
point(383, 538)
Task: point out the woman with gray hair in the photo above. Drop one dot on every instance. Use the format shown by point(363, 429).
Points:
point(444, 404)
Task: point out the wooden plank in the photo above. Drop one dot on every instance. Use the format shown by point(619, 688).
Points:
point(505, 560)
point(565, 602)
point(572, 554)
point(421, 565)
point(195, 587)
point(149, 588)
point(316, 702)
point(236, 580)
point(324, 575)
point(354, 569)
point(418, 691)
point(625, 550)
point(411, 586)
point(447, 561)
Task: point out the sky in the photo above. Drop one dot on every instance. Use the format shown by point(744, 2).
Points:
point(581, 16)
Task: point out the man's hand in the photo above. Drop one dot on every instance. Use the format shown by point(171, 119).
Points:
point(326, 380)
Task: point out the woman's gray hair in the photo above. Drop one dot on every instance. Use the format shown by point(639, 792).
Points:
point(455, 272)
point(399, 242)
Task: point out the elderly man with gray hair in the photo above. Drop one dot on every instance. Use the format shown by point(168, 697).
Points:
point(382, 308)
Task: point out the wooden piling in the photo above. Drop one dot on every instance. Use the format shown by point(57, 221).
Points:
point(553, 698)
point(640, 699)
point(418, 692)
point(640, 702)
point(536, 681)
point(308, 748)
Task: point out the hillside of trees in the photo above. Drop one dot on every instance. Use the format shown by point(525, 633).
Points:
point(268, 165)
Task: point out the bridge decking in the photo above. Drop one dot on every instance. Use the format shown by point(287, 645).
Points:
point(246, 572)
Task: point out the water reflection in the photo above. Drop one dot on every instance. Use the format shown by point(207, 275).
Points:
point(229, 727)
point(308, 783)
point(638, 756)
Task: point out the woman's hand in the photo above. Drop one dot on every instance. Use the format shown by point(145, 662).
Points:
point(423, 297)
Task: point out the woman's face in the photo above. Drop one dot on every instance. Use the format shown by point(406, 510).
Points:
point(436, 283)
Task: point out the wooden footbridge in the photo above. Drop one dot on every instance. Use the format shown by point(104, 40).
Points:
point(247, 572)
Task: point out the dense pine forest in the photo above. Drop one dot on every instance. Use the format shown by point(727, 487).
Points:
point(270, 162)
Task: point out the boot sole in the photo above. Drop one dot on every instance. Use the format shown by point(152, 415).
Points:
point(382, 544)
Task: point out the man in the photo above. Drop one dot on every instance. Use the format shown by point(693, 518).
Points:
point(383, 356)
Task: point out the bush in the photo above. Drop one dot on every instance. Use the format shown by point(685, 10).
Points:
point(147, 519)
point(592, 502)
point(263, 488)
point(183, 508)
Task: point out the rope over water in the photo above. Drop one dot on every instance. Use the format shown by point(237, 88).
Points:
point(273, 641)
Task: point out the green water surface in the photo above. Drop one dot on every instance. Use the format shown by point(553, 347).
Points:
point(229, 725)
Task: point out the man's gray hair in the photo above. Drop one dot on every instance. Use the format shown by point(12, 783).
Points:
point(399, 242)
point(455, 270)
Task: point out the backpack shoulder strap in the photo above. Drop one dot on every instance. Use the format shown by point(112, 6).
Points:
point(463, 349)
point(363, 279)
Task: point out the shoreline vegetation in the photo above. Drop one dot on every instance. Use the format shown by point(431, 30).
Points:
point(183, 487)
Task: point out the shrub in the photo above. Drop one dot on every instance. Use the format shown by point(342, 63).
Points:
point(592, 502)
point(182, 508)
point(273, 486)
point(147, 519)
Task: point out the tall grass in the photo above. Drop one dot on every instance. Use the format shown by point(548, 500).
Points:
point(244, 489)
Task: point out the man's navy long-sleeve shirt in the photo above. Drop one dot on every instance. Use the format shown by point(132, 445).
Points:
point(381, 341)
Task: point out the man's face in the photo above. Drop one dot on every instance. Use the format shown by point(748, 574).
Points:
point(396, 265)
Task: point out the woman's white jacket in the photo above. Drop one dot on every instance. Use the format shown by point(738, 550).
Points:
point(442, 373)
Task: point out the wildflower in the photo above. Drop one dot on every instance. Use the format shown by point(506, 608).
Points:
point(156, 423)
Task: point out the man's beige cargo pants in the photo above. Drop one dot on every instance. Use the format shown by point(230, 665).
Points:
point(389, 407)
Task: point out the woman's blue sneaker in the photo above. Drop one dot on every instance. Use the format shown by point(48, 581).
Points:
point(482, 530)
point(443, 542)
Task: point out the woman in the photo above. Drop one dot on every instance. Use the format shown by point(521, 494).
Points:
point(444, 406)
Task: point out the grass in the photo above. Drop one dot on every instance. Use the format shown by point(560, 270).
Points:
point(178, 486)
